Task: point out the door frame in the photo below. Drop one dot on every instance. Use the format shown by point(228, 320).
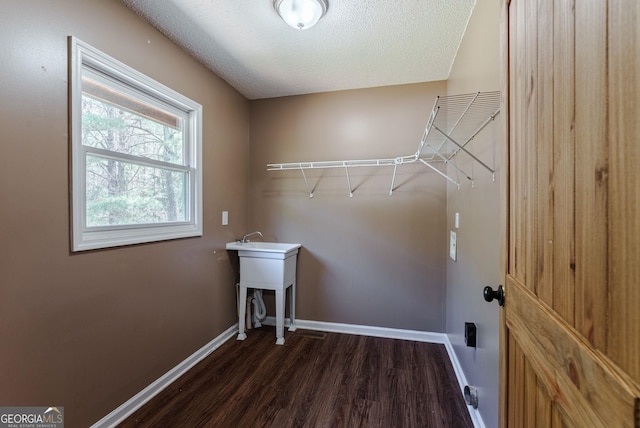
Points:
point(504, 208)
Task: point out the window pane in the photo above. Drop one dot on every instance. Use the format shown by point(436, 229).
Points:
point(122, 193)
point(135, 155)
point(114, 121)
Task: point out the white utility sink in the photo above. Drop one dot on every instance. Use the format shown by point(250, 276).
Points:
point(267, 266)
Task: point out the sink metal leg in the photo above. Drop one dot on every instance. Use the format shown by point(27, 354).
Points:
point(280, 298)
point(242, 312)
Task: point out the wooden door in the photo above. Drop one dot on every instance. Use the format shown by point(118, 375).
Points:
point(571, 330)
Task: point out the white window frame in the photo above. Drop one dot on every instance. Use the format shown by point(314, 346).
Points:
point(81, 56)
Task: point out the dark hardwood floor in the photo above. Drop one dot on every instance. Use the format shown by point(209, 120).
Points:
point(314, 380)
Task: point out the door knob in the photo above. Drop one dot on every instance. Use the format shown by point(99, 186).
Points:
point(490, 294)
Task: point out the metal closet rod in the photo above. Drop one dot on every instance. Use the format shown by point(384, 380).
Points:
point(468, 114)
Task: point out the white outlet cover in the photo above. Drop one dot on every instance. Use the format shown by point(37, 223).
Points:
point(452, 246)
point(225, 218)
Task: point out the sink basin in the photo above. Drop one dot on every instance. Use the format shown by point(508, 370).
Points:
point(267, 250)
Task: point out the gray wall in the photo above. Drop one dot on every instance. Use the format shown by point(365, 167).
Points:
point(477, 69)
point(372, 259)
point(88, 331)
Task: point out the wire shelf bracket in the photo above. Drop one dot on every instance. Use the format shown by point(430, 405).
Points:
point(454, 122)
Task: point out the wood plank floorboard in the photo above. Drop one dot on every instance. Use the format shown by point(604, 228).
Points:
point(314, 380)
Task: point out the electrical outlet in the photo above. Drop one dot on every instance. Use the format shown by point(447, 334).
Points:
point(225, 218)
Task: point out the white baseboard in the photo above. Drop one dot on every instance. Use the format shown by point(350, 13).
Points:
point(365, 330)
point(476, 418)
point(138, 400)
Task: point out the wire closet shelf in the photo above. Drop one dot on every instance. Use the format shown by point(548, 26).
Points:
point(454, 122)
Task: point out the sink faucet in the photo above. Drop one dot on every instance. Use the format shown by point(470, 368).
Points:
point(245, 238)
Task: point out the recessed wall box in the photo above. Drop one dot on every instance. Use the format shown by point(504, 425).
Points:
point(470, 334)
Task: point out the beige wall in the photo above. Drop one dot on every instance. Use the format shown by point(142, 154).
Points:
point(372, 259)
point(88, 331)
point(477, 69)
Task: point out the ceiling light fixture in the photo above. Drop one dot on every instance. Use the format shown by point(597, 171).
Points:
point(301, 14)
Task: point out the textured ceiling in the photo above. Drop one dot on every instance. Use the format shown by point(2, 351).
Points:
point(357, 44)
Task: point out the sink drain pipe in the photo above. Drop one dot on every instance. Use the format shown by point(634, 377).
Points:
point(256, 309)
point(259, 311)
